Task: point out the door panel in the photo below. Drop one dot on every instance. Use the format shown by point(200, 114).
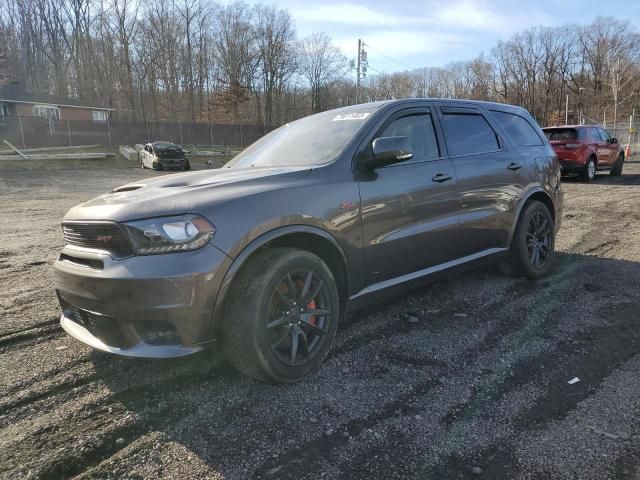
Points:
point(605, 152)
point(409, 210)
point(488, 193)
point(489, 182)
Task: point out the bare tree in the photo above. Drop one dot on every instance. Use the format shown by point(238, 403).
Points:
point(275, 44)
point(236, 55)
point(320, 63)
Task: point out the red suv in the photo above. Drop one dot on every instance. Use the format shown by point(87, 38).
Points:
point(585, 149)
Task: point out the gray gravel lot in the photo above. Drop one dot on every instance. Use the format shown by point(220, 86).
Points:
point(476, 389)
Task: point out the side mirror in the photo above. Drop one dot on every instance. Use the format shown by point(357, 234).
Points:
point(613, 140)
point(387, 151)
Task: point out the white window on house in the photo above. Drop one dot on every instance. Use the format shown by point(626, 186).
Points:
point(99, 116)
point(46, 111)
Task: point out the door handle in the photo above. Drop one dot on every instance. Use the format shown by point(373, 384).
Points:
point(441, 177)
point(515, 166)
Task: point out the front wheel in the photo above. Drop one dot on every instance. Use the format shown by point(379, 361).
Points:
point(533, 243)
point(282, 315)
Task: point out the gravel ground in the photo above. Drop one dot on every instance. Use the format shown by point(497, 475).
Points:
point(478, 388)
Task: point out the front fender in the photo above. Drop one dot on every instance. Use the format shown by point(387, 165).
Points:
point(244, 250)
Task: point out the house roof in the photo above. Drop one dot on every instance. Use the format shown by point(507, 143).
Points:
point(19, 96)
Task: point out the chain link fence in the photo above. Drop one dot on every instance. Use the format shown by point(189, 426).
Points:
point(35, 132)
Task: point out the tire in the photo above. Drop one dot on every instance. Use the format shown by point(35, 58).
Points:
point(589, 172)
point(156, 166)
point(521, 255)
point(616, 171)
point(262, 322)
point(187, 166)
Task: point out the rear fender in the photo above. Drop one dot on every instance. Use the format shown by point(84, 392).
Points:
point(523, 201)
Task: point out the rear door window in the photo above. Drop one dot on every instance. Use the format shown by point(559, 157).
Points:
point(518, 129)
point(468, 133)
point(418, 128)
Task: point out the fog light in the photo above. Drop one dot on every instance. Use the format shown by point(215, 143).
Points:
point(158, 333)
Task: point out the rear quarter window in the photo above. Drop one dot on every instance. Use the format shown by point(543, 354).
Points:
point(518, 129)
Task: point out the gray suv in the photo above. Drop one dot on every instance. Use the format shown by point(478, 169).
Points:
point(321, 216)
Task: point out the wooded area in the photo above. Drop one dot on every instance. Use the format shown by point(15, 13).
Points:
point(197, 61)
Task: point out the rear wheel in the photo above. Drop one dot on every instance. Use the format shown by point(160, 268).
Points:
point(532, 246)
point(187, 166)
point(282, 316)
point(589, 172)
point(616, 171)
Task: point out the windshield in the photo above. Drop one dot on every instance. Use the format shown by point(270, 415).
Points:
point(311, 140)
point(165, 146)
point(561, 134)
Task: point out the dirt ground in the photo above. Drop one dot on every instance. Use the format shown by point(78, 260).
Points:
point(478, 388)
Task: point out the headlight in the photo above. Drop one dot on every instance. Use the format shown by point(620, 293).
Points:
point(170, 234)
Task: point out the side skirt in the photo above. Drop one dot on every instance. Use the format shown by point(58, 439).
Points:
point(395, 285)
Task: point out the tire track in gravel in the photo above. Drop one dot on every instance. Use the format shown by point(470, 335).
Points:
point(481, 398)
point(592, 355)
point(30, 336)
point(98, 418)
point(309, 456)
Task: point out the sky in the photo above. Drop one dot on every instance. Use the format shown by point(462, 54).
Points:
point(433, 33)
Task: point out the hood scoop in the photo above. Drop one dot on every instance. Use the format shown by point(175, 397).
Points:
point(126, 188)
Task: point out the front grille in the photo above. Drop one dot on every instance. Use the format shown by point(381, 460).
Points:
point(101, 236)
point(101, 326)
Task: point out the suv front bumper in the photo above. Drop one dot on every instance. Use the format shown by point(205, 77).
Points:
point(155, 306)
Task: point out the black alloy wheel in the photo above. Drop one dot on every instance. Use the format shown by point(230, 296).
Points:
point(298, 317)
point(538, 240)
point(281, 316)
point(532, 247)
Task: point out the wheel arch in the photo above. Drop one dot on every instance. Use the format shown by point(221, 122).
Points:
point(535, 194)
point(304, 237)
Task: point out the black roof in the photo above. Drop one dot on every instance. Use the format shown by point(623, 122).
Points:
point(459, 102)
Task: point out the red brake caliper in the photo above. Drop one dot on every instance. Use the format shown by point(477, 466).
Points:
point(311, 306)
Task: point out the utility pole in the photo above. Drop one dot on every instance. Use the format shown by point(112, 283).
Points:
point(566, 111)
point(361, 67)
point(358, 71)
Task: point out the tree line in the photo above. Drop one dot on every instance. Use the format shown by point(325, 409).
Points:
point(596, 67)
point(197, 61)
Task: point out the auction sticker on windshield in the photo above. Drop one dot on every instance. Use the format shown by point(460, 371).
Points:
point(351, 116)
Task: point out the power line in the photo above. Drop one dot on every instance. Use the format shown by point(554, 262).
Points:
point(371, 68)
point(389, 57)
